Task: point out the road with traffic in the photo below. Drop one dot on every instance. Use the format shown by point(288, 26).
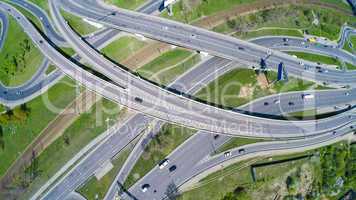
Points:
point(207, 41)
point(40, 42)
point(169, 106)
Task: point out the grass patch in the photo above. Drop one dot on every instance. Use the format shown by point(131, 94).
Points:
point(168, 66)
point(122, 48)
point(83, 130)
point(127, 4)
point(240, 86)
point(19, 58)
point(169, 138)
point(188, 10)
point(50, 69)
point(350, 66)
point(99, 188)
point(290, 17)
point(347, 47)
point(238, 178)
point(341, 4)
point(77, 23)
point(271, 32)
point(20, 129)
point(67, 51)
point(316, 58)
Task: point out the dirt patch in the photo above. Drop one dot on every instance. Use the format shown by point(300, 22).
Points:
point(262, 81)
point(246, 91)
point(145, 55)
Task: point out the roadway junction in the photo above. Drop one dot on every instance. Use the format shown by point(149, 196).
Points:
point(174, 104)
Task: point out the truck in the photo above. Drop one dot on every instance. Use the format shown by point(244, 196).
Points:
point(307, 96)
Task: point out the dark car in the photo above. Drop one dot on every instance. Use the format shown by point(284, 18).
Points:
point(139, 100)
point(145, 187)
point(172, 168)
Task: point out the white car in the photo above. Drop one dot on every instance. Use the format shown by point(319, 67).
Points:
point(277, 101)
point(145, 187)
point(163, 163)
point(227, 154)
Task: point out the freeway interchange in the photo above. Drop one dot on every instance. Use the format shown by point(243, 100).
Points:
point(154, 102)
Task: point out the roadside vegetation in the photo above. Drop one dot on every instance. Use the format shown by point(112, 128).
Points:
point(19, 58)
point(240, 86)
point(316, 21)
point(122, 48)
point(22, 124)
point(271, 32)
point(325, 173)
point(78, 24)
point(316, 58)
point(347, 47)
point(167, 67)
point(168, 139)
point(80, 133)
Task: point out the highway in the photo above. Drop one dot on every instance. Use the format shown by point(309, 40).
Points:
point(300, 45)
point(184, 111)
point(101, 37)
point(346, 32)
point(190, 169)
point(39, 83)
point(207, 41)
point(4, 21)
point(46, 23)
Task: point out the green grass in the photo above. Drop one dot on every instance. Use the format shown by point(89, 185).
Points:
point(68, 51)
point(188, 10)
point(226, 89)
point(316, 58)
point(271, 32)
point(350, 66)
point(341, 4)
point(95, 187)
point(50, 69)
point(168, 66)
point(19, 58)
point(218, 184)
point(169, 138)
point(77, 23)
point(122, 48)
point(236, 142)
point(83, 130)
point(353, 41)
point(127, 4)
point(290, 17)
point(20, 131)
